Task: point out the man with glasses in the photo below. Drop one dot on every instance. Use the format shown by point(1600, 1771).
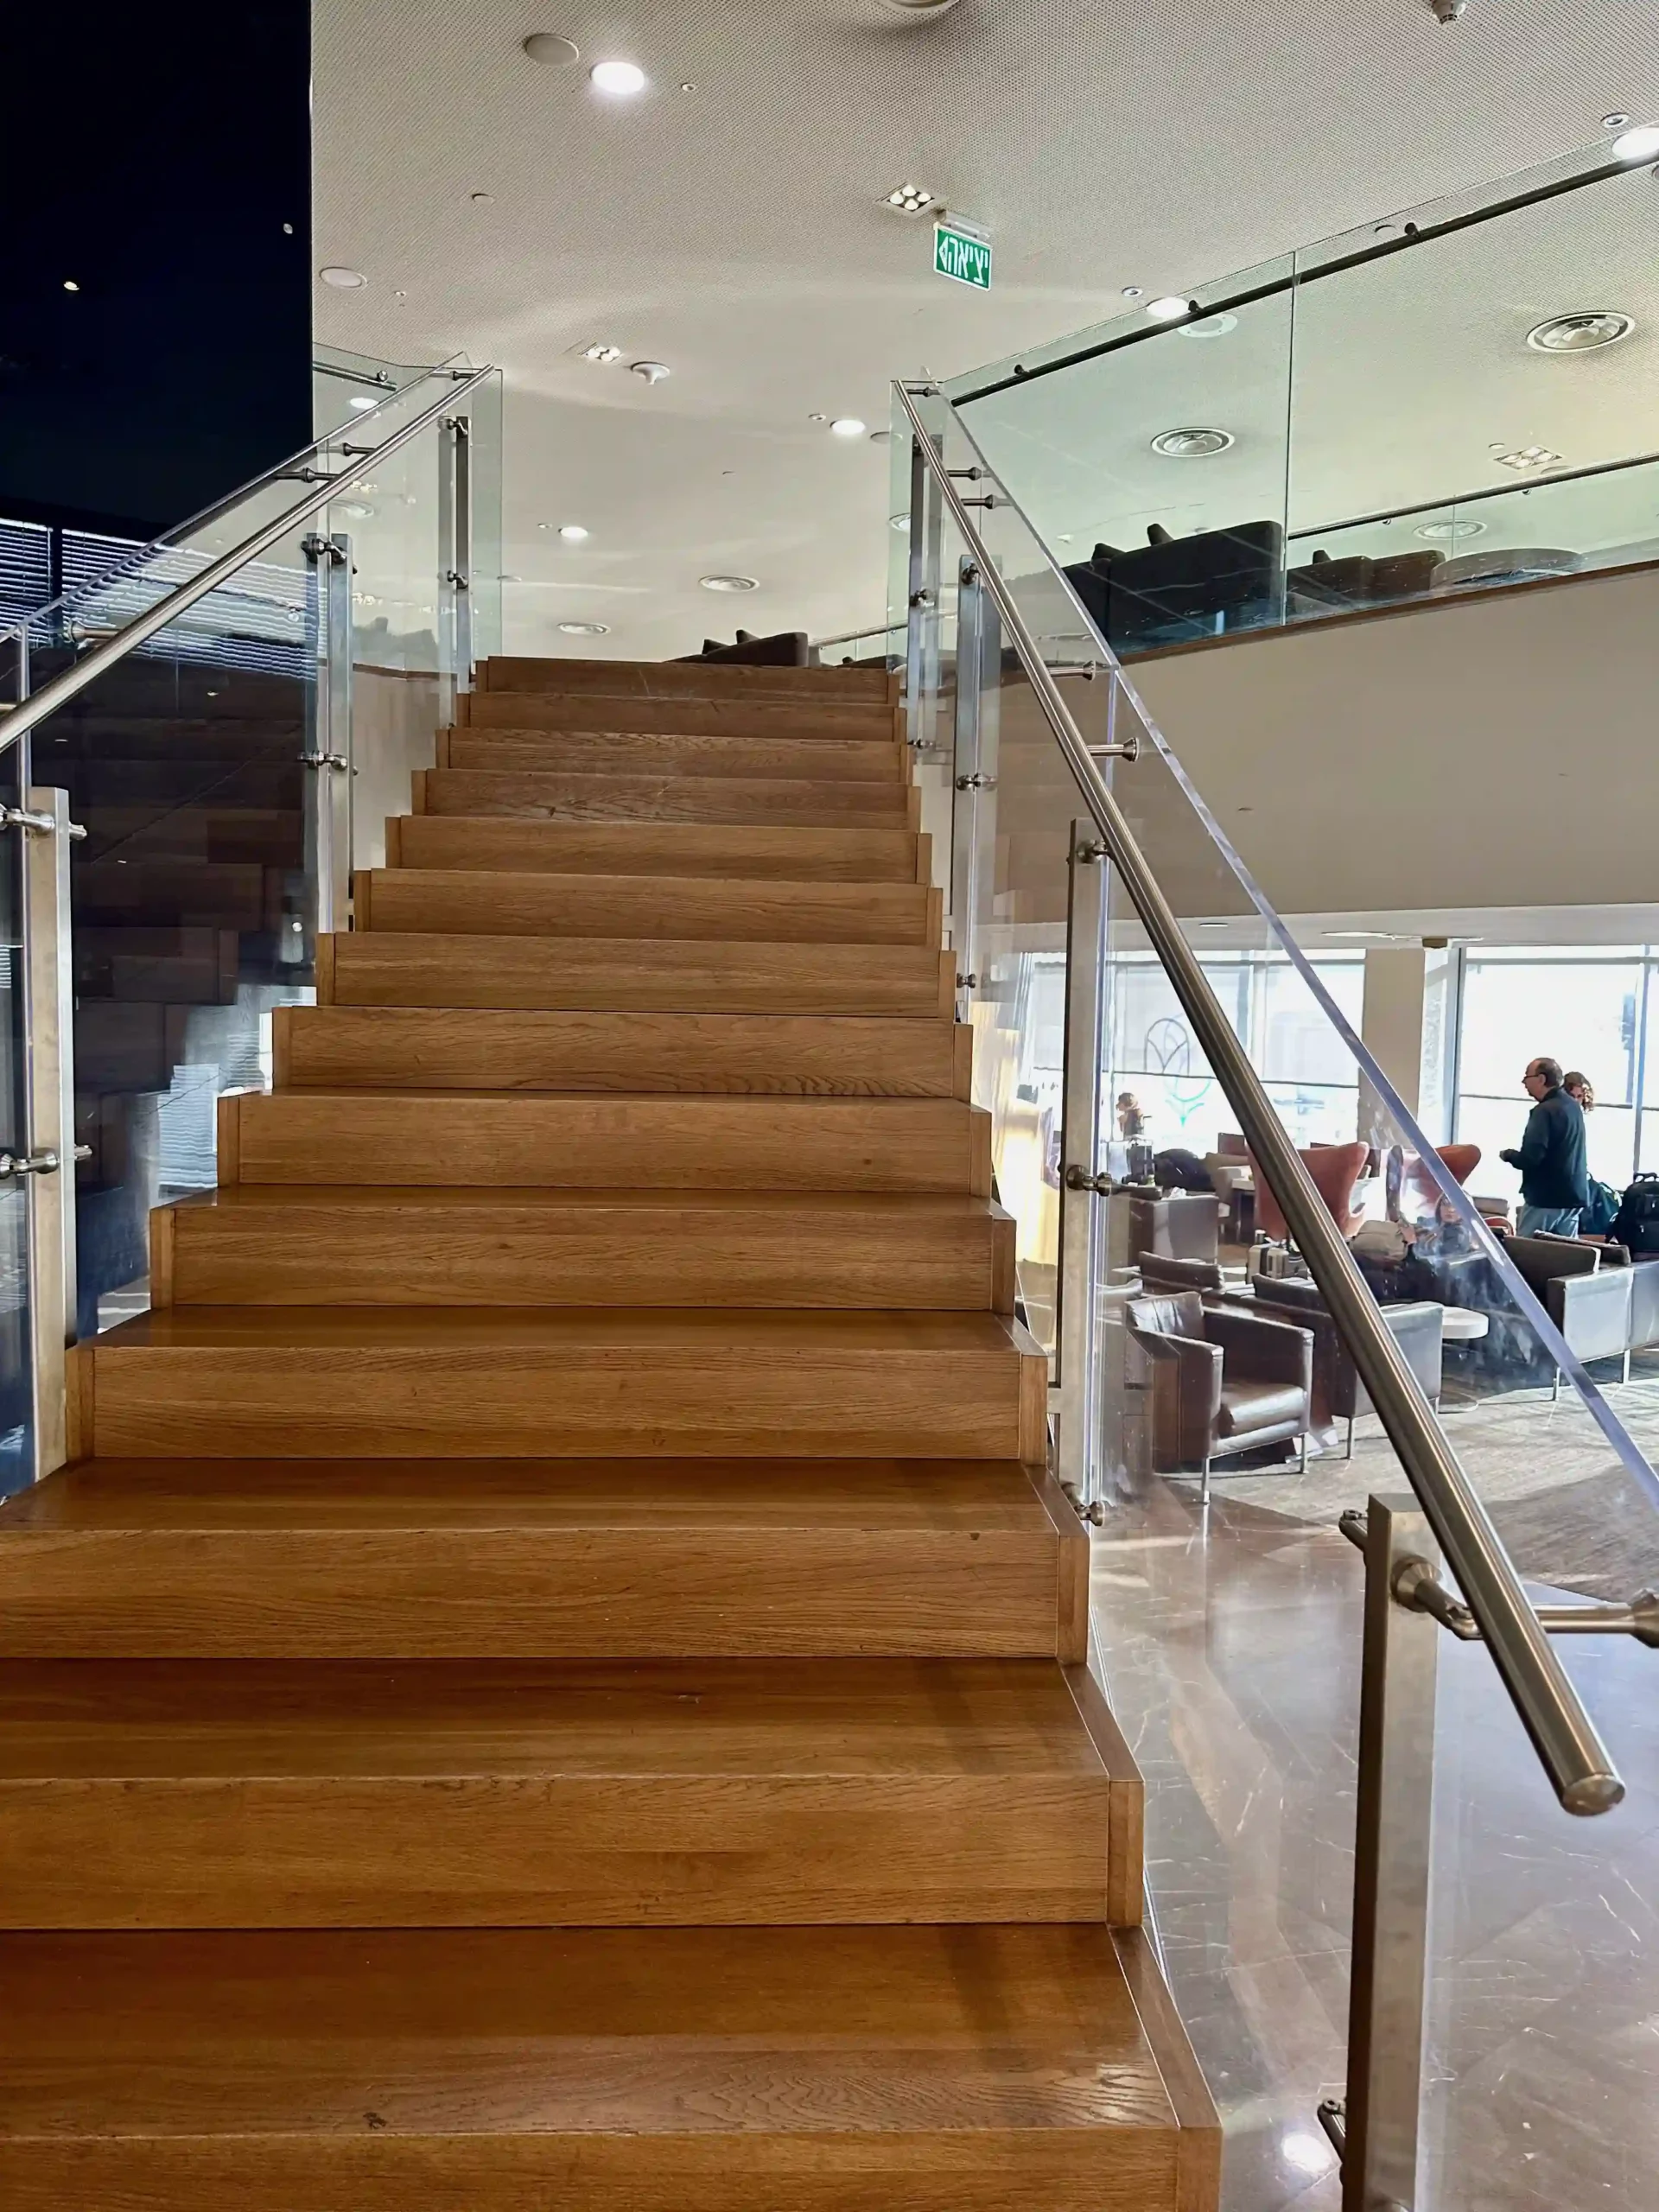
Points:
point(1554, 1185)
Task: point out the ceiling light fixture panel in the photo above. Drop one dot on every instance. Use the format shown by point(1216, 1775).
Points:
point(599, 352)
point(1641, 144)
point(343, 280)
point(1526, 459)
point(619, 80)
point(910, 200)
point(847, 426)
point(1192, 444)
point(729, 583)
point(586, 629)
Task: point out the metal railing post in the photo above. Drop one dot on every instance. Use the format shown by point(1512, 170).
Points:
point(49, 1014)
point(454, 562)
point(326, 757)
point(1074, 1397)
point(966, 777)
point(1375, 2129)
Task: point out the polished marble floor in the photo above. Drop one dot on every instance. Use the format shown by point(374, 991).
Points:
point(1229, 1644)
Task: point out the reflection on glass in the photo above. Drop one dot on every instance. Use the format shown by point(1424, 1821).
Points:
point(16, 1417)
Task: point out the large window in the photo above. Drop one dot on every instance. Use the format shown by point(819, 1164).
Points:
point(1590, 1009)
point(1303, 1064)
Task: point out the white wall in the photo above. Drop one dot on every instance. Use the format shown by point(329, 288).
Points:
point(1499, 751)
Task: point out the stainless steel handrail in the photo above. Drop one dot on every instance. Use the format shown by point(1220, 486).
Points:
point(71, 682)
point(1579, 1767)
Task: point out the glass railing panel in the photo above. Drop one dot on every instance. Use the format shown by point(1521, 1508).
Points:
point(344, 384)
point(16, 1370)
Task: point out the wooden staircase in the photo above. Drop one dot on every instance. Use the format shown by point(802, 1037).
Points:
point(556, 1675)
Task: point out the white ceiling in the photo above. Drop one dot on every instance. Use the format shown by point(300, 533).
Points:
point(734, 232)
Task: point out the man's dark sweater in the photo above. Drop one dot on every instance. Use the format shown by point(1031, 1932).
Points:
point(1550, 1154)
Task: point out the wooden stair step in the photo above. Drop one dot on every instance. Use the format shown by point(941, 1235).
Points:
point(698, 975)
point(750, 851)
point(657, 1558)
point(207, 895)
point(262, 1244)
point(808, 721)
point(511, 1382)
point(495, 1049)
point(671, 679)
point(159, 1793)
point(501, 902)
point(659, 1143)
point(881, 760)
point(700, 2070)
point(782, 802)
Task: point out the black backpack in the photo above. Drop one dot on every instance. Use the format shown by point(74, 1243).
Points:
point(1637, 1223)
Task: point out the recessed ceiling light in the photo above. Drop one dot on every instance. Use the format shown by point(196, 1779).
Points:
point(899, 522)
point(619, 79)
point(880, 437)
point(1616, 121)
point(400, 295)
point(598, 352)
point(586, 629)
point(1191, 444)
point(652, 371)
point(1134, 291)
point(1211, 326)
point(847, 426)
point(1638, 145)
point(552, 51)
point(1448, 533)
point(729, 583)
point(918, 10)
point(482, 199)
point(818, 418)
point(908, 198)
point(687, 88)
point(505, 579)
point(362, 403)
point(356, 509)
point(70, 285)
point(1526, 458)
point(573, 531)
point(1581, 333)
point(1168, 308)
point(343, 280)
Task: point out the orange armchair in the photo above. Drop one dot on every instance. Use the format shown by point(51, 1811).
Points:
point(1336, 1169)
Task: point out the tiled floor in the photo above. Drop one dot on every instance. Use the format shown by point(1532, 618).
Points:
point(1230, 1646)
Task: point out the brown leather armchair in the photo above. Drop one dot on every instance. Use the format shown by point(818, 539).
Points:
point(1219, 1382)
point(1417, 1327)
point(1186, 1227)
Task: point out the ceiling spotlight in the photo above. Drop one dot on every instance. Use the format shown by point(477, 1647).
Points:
point(1211, 326)
point(1524, 459)
point(506, 578)
point(818, 418)
point(586, 629)
point(899, 522)
point(343, 280)
point(1169, 309)
point(1449, 533)
point(1581, 333)
point(1616, 121)
point(552, 51)
point(621, 79)
point(70, 285)
point(880, 437)
point(572, 533)
point(603, 354)
point(1638, 145)
point(482, 199)
point(356, 509)
point(400, 295)
point(652, 371)
point(908, 198)
point(362, 403)
point(919, 10)
point(1134, 291)
point(1191, 444)
point(729, 583)
point(847, 426)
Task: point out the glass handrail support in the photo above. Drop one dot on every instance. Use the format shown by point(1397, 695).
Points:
point(1317, 437)
point(1087, 981)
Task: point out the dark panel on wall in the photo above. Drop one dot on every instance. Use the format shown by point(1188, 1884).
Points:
point(158, 159)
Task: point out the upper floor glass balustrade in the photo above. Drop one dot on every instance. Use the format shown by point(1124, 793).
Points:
point(1463, 397)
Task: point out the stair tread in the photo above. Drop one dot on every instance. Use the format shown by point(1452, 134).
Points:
point(728, 2032)
point(689, 1331)
point(77, 1718)
point(778, 1496)
point(539, 1199)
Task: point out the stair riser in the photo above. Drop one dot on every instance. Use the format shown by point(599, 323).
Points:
point(1120, 2168)
point(684, 909)
point(405, 1049)
point(483, 1401)
point(481, 1849)
point(650, 1144)
point(812, 722)
point(750, 852)
point(778, 802)
point(625, 1258)
point(525, 1593)
point(724, 682)
point(602, 753)
point(381, 969)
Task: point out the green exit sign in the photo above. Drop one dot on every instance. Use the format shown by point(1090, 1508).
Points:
point(962, 254)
